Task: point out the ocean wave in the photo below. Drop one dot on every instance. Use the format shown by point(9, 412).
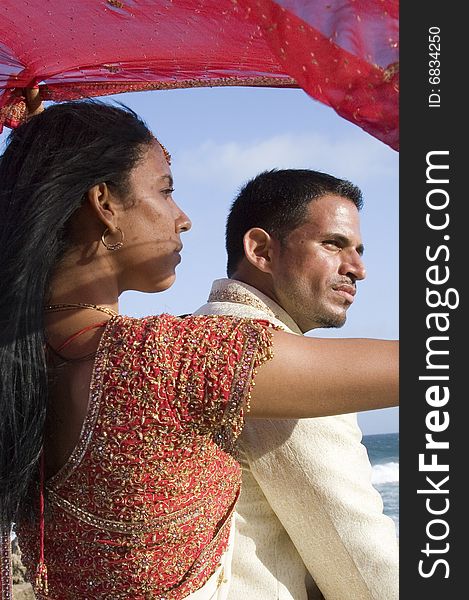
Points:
point(385, 473)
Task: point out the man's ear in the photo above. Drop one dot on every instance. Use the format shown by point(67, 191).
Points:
point(103, 205)
point(259, 249)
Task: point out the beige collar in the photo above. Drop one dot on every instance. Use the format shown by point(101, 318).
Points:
point(231, 290)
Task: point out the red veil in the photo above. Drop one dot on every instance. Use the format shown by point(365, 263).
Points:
point(343, 53)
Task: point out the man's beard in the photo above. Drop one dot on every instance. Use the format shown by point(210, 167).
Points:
point(322, 319)
point(330, 321)
point(311, 315)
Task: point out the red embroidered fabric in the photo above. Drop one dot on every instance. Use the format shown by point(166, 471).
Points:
point(142, 508)
point(343, 53)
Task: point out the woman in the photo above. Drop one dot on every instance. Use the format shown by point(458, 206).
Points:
point(126, 427)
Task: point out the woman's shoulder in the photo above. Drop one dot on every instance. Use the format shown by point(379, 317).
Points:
point(166, 324)
point(165, 320)
point(166, 328)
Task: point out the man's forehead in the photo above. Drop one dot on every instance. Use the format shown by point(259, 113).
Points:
point(331, 216)
point(331, 209)
point(331, 200)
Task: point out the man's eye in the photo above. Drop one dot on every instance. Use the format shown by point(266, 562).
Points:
point(168, 191)
point(333, 244)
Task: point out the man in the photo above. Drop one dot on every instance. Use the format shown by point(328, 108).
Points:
point(307, 510)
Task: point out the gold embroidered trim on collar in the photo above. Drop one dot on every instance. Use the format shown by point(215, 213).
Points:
point(241, 297)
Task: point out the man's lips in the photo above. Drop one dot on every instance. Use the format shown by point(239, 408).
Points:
point(346, 290)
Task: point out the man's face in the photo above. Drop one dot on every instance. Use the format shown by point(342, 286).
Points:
point(315, 268)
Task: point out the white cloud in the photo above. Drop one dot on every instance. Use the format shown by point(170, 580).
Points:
point(231, 163)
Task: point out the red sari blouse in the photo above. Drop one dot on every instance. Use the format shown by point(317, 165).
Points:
point(142, 508)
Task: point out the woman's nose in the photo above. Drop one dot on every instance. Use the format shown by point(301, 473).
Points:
point(183, 223)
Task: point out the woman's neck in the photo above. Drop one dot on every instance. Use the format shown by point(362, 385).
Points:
point(90, 281)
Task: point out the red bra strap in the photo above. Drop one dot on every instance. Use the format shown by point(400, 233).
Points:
point(78, 333)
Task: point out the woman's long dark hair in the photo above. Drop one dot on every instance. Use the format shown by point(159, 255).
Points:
point(49, 164)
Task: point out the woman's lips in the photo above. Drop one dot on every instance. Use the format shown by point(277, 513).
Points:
point(177, 252)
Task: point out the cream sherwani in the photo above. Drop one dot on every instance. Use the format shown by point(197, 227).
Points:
point(307, 506)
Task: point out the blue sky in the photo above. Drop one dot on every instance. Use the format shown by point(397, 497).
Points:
point(219, 138)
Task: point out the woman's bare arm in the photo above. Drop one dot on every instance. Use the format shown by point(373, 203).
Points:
point(311, 377)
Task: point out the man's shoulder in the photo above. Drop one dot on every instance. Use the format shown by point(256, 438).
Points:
point(234, 309)
point(301, 435)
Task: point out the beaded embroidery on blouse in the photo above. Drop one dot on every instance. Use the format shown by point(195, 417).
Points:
point(6, 591)
point(142, 509)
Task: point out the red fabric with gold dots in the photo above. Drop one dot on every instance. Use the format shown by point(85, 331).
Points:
point(343, 53)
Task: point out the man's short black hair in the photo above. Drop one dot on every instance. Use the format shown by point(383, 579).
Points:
point(277, 201)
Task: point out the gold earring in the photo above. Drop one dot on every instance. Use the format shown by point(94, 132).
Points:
point(116, 245)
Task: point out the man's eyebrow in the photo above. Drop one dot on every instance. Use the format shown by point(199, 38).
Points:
point(345, 241)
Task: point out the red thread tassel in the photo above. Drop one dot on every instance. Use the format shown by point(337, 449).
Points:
point(41, 579)
point(41, 571)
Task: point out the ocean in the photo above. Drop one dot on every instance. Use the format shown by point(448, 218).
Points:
point(383, 451)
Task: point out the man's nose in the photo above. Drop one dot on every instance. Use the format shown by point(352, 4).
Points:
point(354, 267)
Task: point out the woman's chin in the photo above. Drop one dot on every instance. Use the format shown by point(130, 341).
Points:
point(150, 285)
point(164, 284)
